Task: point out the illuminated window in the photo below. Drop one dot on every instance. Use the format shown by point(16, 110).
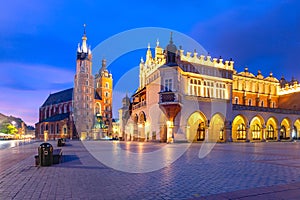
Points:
point(256, 132)
point(221, 134)
point(270, 132)
point(201, 132)
point(241, 132)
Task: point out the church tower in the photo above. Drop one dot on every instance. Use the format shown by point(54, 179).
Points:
point(104, 85)
point(83, 93)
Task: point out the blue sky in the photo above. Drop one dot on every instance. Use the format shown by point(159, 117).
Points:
point(39, 39)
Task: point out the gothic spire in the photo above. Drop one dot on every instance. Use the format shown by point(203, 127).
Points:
point(84, 39)
point(171, 38)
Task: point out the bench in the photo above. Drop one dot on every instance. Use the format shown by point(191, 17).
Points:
point(56, 157)
point(61, 142)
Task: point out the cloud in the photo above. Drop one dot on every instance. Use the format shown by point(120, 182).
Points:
point(21, 16)
point(25, 87)
point(22, 76)
point(260, 36)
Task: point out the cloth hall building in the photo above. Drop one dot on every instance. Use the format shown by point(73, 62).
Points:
point(190, 97)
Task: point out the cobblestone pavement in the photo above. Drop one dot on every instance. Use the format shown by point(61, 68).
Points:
point(230, 171)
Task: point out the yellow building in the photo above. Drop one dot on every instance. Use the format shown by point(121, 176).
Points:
point(191, 97)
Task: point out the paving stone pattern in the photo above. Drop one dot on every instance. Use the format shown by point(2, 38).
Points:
point(230, 171)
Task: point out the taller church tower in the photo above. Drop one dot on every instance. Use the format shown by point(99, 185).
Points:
point(83, 94)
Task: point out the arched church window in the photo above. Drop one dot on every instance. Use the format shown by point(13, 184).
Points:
point(57, 128)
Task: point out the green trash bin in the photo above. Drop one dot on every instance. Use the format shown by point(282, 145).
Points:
point(45, 154)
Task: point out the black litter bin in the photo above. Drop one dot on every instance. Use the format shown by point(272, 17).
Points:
point(45, 154)
point(59, 142)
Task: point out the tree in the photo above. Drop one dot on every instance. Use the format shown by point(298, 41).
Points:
point(8, 128)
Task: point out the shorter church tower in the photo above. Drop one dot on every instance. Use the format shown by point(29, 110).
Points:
point(83, 94)
point(104, 85)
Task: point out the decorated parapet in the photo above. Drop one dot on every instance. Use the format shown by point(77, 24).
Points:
point(206, 60)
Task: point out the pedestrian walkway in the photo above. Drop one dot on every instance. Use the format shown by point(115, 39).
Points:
point(229, 171)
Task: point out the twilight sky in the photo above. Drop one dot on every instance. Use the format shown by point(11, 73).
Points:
point(39, 40)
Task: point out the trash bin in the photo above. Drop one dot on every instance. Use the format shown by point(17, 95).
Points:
point(59, 142)
point(45, 154)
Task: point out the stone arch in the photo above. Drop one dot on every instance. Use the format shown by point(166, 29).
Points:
point(141, 126)
point(271, 129)
point(296, 129)
point(142, 117)
point(257, 125)
point(239, 125)
point(197, 124)
point(285, 129)
point(216, 128)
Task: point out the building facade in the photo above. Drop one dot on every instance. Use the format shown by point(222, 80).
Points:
point(186, 97)
point(84, 111)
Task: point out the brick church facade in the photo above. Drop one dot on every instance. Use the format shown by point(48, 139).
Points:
point(84, 111)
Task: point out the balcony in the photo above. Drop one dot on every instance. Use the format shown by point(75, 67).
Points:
point(169, 97)
point(139, 105)
point(170, 103)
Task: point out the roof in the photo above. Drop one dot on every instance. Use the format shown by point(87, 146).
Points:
point(58, 117)
point(59, 97)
